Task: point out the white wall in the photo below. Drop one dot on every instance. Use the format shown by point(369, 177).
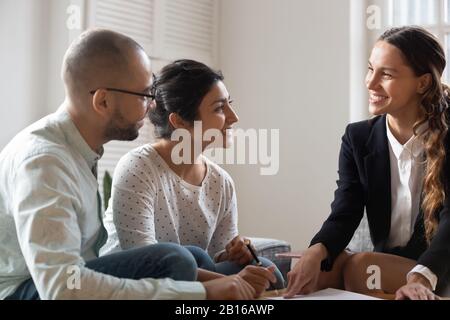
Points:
point(286, 64)
point(35, 38)
point(59, 40)
point(23, 29)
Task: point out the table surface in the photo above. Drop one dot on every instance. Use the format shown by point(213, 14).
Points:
point(279, 293)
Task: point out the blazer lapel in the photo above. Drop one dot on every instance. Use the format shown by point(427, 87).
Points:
point(378, 174)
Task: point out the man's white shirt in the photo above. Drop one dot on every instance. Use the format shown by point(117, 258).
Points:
point(49, 219)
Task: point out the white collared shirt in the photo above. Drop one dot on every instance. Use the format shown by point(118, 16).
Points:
point(49, 221)
point(407, 171)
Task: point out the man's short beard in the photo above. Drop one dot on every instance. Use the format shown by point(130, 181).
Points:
point(115, 132)
point(124, 134)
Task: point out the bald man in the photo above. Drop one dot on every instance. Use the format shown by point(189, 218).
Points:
point(50, 209)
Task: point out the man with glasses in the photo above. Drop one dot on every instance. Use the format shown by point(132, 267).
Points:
point(51, 227)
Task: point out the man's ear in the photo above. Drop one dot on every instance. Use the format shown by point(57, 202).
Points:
point(424, 83)
point(176, 121)
point(100, 102)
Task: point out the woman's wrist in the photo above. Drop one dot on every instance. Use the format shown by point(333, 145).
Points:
point(223, 256)
point(416, 277)
point(206, 275)
point(318, 250)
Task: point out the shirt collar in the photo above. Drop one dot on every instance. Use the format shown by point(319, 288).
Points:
point(75, 140)
point(414, 145)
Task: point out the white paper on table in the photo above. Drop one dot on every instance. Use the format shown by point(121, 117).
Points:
point(329, 294)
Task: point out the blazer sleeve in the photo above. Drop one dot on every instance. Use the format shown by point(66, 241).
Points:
point(347, 208)
point(437, 256)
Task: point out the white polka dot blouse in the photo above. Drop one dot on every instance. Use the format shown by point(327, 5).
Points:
point(150, 203)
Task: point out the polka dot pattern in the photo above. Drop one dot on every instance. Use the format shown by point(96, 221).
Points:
point(150, 204)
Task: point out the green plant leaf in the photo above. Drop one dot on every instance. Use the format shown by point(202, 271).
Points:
point(107, 182)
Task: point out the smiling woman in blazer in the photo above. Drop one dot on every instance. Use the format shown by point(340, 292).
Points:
point(394, 166)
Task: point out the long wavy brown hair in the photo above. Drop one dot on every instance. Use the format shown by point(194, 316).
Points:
point(425, 55)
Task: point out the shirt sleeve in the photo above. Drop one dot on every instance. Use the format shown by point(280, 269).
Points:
point(44, 209)
point(437, 256)
point(227, 228)
point(427, 273)
point(133, 197)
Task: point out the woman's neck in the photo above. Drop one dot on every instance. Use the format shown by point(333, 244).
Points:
point(402, 126)
point(192, 172)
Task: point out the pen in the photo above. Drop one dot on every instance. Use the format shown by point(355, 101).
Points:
point(258, 263)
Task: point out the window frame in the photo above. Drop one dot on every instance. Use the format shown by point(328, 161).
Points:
point(441, 29)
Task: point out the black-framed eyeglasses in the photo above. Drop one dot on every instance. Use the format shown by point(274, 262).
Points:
point(151, 96)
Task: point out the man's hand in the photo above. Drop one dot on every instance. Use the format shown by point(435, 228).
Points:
point(258, 277)
point(229, 288)
point(237, 251)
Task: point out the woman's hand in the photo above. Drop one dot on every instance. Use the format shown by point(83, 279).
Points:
point(303, 278)
point(232, 287)
point(206, 275)
point(415, 291)
point(258, 277)
point(237, 251)
point(417, 288)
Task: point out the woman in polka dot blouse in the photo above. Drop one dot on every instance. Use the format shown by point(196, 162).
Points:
point(169, 191)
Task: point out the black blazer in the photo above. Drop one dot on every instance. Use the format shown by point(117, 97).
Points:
point(365, 182)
